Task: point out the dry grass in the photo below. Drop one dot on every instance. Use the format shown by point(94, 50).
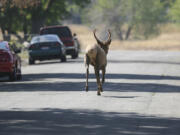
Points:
point(84, 35)
point(168, 40)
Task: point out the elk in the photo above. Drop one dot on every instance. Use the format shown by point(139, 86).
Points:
point(96, 55)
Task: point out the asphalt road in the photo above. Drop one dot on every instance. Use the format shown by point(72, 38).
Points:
point(141, 97)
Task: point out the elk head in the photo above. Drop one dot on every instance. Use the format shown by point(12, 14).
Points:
point(104, 44)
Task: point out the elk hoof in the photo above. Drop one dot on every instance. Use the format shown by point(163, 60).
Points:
point(98, 93)
point(101, 89)
point(103, 81)
point(87, 88)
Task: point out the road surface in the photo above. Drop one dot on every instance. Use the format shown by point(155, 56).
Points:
point(141, 96)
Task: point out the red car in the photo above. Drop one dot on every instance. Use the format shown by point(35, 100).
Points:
point(10, 62)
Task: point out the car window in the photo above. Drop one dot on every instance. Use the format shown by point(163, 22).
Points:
point(4, 45)
point(60, 31)
point(45, 38)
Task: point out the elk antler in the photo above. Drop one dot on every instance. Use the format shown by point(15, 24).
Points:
point(101, 42)
point(109, 38)
point(98, 41)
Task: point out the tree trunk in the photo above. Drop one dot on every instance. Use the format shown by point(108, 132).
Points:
point(6, 37)
point(36, 25)
point(25, 25)
point(38, 20)
point(128, 32)
point(119, 33)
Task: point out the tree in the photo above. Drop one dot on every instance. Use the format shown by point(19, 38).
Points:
point(148, 16)
point(29, 15)
point(174, 13)
point(8, 14)
point(123, 16)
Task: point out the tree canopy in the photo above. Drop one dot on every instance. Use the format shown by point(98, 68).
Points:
point(127, 18)
point(124, 16)
point(174, 12)
point(28, 16)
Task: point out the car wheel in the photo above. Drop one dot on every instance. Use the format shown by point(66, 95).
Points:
point(31, 61)
point(63, 58)
point(13, 75)
point(74, 56)
point(19, 76)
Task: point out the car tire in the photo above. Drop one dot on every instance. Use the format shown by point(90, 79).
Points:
point(19, 76)
point(75, 55)
point(13, 75)
point(63, 58)
point(31, 61)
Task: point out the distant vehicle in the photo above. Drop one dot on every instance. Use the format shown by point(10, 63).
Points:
point(10, 62)
point(65, 34)
point(46, 47)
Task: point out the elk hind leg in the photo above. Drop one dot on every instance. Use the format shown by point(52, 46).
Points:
point(98, 81)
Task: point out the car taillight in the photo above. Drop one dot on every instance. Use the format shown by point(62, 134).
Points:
point(5, 57)
point(57, 44)
point(70, 43)
point(32, 47)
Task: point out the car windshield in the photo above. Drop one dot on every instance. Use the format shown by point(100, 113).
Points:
point(44, 38)
point(4, 45)
point(60, 31)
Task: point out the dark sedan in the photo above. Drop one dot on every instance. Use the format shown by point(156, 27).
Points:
point(46, 47)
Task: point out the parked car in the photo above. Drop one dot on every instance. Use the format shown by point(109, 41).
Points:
point(46, 47)
point(10, 62)
point(65, 34)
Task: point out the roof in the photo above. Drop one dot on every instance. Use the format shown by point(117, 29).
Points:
point(45, 38)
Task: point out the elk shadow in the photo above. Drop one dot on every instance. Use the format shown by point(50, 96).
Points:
point(33, 82)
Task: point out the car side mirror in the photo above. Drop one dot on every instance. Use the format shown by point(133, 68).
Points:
point(17, 50)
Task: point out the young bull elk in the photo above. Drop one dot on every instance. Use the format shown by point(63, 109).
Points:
point(96, 56)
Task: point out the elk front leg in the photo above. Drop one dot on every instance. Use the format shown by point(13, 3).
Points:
point(87, 71)
point(87, 76)
point(98, 81)
point(103, 74)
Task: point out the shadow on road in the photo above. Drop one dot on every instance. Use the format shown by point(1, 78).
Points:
point(34, 82)
point(28, 77)
point(84, 122)
point(49, 62)
point(32, 77)
point(143, 62)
